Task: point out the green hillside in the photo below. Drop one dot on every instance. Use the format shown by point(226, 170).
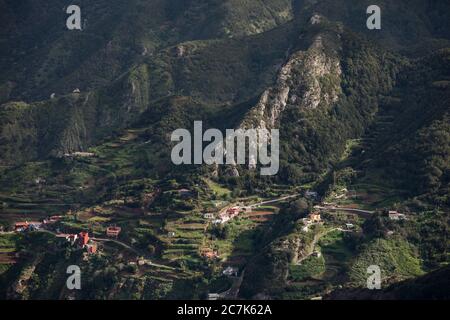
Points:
point(86, 119)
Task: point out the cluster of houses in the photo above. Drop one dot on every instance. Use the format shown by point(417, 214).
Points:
point(313, 218)
point(80, 240)
point(227, 215)
point(27, 226)
point(35, 225)
point(83, 241)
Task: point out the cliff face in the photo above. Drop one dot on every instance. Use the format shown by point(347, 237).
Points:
point(309, 78)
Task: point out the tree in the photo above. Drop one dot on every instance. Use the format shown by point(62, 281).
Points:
point(299, 207)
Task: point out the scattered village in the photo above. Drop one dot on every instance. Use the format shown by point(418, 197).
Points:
point(81, 240)
point(223, 217)
point(232, 267)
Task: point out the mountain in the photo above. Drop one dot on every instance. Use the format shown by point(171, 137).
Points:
point(86, 118)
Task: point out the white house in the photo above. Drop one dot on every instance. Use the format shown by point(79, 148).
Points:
point(213, 296)
point(230, 272)
point(394, 215)
point(208, 216)
point(311, 194)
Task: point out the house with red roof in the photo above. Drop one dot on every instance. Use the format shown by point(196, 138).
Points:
point(113, 231)
point(83, 238)
point(22, 226)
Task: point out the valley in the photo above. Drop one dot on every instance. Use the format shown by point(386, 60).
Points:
point(87, 176)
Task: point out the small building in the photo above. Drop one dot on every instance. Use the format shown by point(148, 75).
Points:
point(208, 216)
point(179, 51)
point(39, 181)
point(394, 215)
point(225, 219)
point(185, 193)
point(76, 91)
point(91, 248)
point(210, 254)
point(53, 219)
point(213, 296)
point(171, 234)
point(228, 215)
point(34, 226)
point(230, 272)
point(315, 217)
point(234, 211)
point(80, 154)
point(349, 226)
point(20, 226)
point(27, 225)
point(83, 238)
point(113, 231)
point(248, 209)
point(141, 262)
point(72, 238)
point(311, 194)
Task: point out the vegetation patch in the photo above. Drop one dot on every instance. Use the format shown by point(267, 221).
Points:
point(395, 257)
point(312, 267)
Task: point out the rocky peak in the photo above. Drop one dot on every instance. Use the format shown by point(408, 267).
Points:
point(307, 80)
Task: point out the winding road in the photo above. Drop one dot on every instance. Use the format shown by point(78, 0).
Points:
point(363, 213)
point(256, 205)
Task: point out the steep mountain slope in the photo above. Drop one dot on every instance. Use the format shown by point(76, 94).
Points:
point(205, 71)
point(409, 26)
point(412, 151)
point(43, 57)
